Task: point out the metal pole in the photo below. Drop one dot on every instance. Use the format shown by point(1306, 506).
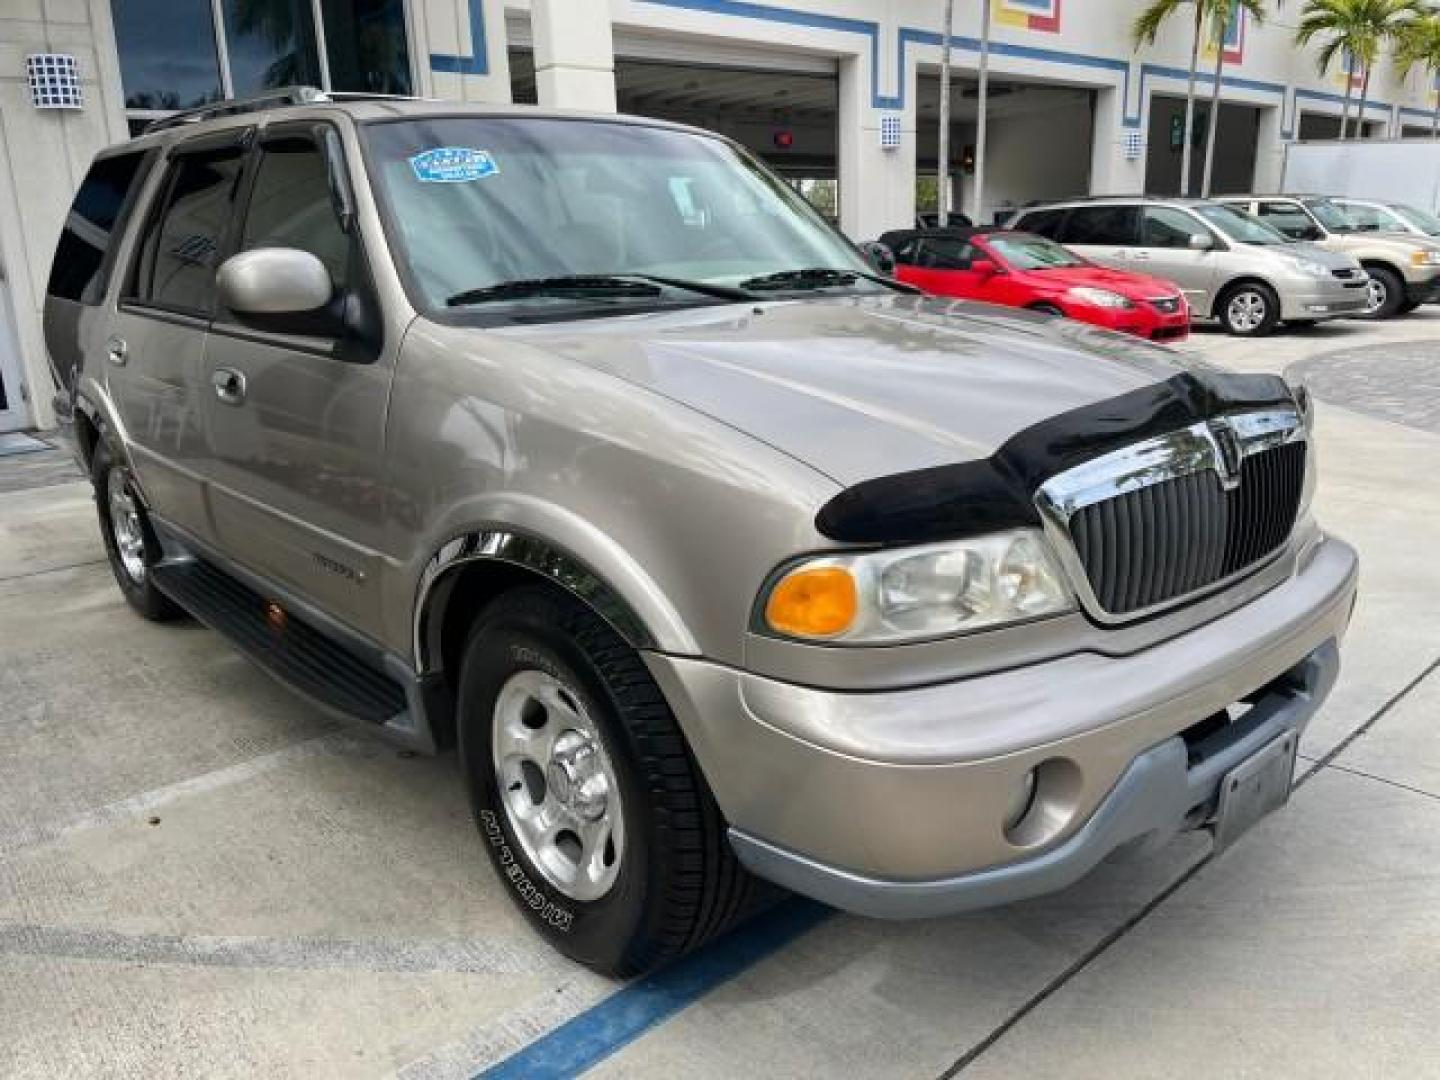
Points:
point(943, 179)
point(982, 107)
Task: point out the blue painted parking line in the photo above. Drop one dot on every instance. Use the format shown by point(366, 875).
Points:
point(624, 1016)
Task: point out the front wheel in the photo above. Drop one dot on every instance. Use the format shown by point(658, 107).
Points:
point(1386, 293)
point(590, 806)
point(1250, 310)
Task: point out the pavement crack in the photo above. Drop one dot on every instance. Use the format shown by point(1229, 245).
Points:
point(1090, 955)
point(51, 570)
point(1384, 780)
point(1349, 740)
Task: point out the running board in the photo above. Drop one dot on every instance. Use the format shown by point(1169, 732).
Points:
point(327, 673)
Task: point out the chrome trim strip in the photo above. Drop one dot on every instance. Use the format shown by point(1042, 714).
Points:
point(527, 552)
point(1219, 444)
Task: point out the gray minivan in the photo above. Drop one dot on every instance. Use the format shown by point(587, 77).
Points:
point(1231, 267)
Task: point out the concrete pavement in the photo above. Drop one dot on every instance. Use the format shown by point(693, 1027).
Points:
point(200, 876)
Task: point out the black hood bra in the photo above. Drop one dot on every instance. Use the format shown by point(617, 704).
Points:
point(952, 501)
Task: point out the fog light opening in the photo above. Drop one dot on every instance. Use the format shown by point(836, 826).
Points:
point(1045, 802)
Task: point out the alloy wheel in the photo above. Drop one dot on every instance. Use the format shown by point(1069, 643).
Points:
point(125, 525)
point(1246, 311)
point(1376, 294)
point(558, 786)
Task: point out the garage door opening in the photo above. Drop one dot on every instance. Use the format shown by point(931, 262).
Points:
point(1314, 125)
point(786, 118)
point(1235, 141)
point(1038, 143)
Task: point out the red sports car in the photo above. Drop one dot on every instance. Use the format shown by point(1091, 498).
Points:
point(1020, 269)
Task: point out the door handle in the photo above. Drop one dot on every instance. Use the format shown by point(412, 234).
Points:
point(116, 351)
point(1141, 256)
point(229, 385)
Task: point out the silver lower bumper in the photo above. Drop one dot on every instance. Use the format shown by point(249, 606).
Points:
point(1160, 793)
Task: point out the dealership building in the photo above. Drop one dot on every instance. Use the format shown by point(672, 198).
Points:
point(840, 96)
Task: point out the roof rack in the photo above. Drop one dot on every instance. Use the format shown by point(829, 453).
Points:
point(288, 95)
point(273, 99)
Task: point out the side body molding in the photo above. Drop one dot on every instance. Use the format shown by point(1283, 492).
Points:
point(528, 552)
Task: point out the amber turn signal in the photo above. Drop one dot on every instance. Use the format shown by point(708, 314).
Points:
point(815, 602)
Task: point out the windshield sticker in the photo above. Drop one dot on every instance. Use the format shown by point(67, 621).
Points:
point(453, 165)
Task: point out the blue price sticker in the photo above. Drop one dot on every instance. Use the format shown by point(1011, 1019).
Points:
point(453, 165)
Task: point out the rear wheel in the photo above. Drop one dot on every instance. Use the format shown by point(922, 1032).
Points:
point(130, 542)
point(593, 812)
point(1386, 293)
point(1250, 309)
point(1408, 306)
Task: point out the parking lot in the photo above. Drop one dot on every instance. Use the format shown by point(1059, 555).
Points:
point(201, 876)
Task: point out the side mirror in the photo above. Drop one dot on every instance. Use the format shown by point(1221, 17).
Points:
point(984, 268)
point(1201, 241)
point(282, 289)
point(879, 256)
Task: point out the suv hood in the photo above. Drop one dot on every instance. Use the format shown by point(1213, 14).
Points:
point(1306, 249)
point(860, 388)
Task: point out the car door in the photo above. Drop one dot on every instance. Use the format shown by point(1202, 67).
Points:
point(1165, 252)
point(1106, 233)
point(296, 422)
point(943, 267)
point(155, 352)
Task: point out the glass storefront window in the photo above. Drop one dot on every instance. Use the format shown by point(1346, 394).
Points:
point(168, 58)
point(366, 46)
point(271, 43)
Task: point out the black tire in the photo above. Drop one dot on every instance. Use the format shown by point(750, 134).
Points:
point(1047, 309)
point(1302, 324)
point(678, 883)
point(1249, 309)
point(1391, 289)
point(137, 587)
point(1408, 306)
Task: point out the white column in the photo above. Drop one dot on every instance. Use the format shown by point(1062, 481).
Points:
point(1269, 151)
point(1112, 170)
point(459, 56)
point(574, 54)
point(877, 186)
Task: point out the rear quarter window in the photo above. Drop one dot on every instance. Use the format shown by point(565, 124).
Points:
point(81, 267)
point(1042, 222)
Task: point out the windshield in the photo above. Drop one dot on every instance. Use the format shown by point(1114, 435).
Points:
point(1423, 220)
point(1239, 226)
point(1025, 252)
point(475, 202)
point(1330, 215)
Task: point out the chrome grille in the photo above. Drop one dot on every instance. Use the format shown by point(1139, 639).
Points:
point(1147, 526)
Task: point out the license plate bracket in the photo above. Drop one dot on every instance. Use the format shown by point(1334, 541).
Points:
point(1257, 786)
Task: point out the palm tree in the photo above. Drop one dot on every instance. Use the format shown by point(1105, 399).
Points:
point(1420, 47)
point(1356, 29)
point(1144, 31)
point(1222, 16)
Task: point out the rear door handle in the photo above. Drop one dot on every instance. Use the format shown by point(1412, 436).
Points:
point(116, 351)
point(229, 385)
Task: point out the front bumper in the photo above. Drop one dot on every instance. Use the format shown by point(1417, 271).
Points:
point(1423, 292)
point(1330, 301)
point(893, 803)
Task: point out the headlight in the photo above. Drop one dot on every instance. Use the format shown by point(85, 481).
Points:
point(1099, 297)
point(1425, 258)
point(910, 594)
point(1314, 269)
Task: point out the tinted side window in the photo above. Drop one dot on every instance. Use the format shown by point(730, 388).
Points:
point(946, 254)
point(1109, 225)
point(905, 253)
point(90, 227)
point(1165, 227)
point(1289, 219)
point(291, 206)
point(1370, 218)
point(177, 264)
point(1044, 222)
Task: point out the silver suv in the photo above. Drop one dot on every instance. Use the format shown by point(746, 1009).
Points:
point(1231, 267)
point(583, 444)
point(1403, 269)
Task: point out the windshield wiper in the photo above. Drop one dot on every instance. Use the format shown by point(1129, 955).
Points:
point(820, 277)
point(569, 285)
point(618, 285)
